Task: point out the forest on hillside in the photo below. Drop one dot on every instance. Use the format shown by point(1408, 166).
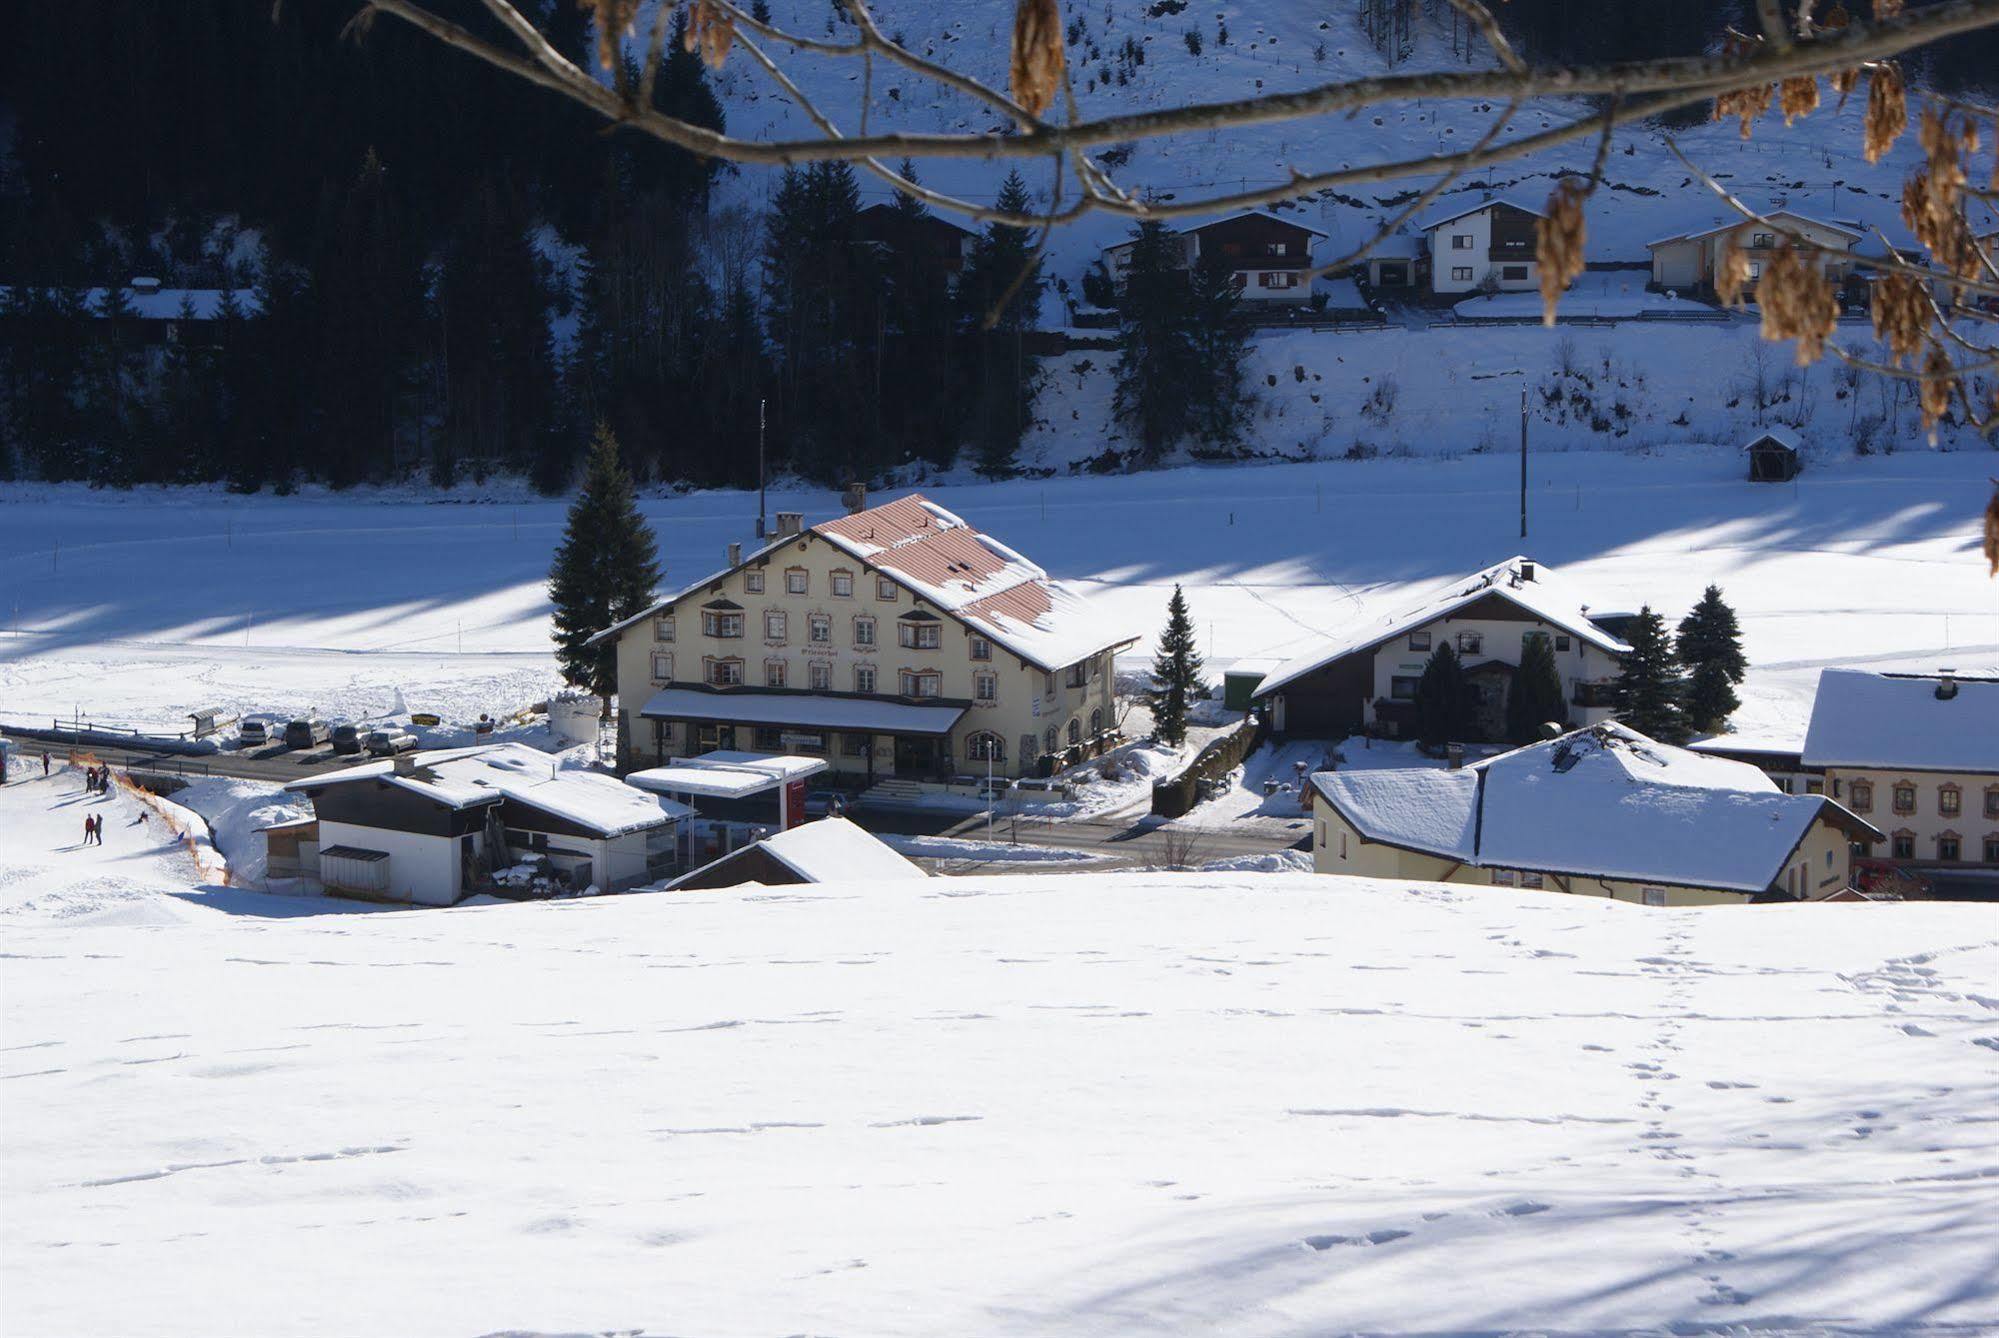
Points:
point(438, 271)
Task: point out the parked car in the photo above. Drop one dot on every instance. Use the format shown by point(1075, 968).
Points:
point(306, 732)
point(1878, 875)
point(255, 732)
point(349, 739)
point(388, 742)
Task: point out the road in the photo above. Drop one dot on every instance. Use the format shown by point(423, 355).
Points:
point(276, 764)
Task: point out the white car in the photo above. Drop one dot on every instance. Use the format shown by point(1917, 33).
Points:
point(388, 742)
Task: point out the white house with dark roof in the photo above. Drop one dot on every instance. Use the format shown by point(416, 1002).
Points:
point(1266, 253)
point(1365, 677)
point(898, 641)
point(1487, 243)
point(1602, 811)
point(1918, 756)
point(1687, 261)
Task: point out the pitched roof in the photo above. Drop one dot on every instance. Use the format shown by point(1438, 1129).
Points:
point(973, 576)
point(1253, 213)
point(1548, 596)
point(1726, 220)
point(1863, 719)
point(1783, 436)
point(684, 591)
point(831, 850)
point(1602, 802)
point(1451, 213)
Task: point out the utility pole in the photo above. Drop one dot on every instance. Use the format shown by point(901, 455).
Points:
point(1523, 459)
point(760, 469)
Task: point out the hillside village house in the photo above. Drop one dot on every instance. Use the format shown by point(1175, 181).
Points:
point(941, 246)
point(1487, 245)
point(1686, 262)
point(1267, 255)
point(896, 641)
point(829, 850)
point(430, 830)
point(1365, 678)
point(1917, 755)
point(152, 318)
point(1601, 812)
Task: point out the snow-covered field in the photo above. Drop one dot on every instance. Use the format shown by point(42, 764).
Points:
point(137, 607)
point(1131, 1104)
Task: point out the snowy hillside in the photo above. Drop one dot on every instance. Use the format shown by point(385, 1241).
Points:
point(1258, 1104)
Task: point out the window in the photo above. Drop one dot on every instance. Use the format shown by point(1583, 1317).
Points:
point(797, 580)
point(1992, 801)
point(767, 739)
point(919, 636)
point(753, 581)
point(721, 624)
point(819, 675)
point(1863, 796)
point(722, 673)
point(1762, 241)
point(864, 631)
point(1502, 878)
point(1077, 675)
point(1992, 848)
point(1512, 271)
point(1461, 274)
point(1096, 722)
point(855, 745)
point(1048, 685)
point(1902, 845)
point(1275, 248)
point(819, 628)
point(1419, 641)
point(982, 649)
point(1950, 801)
point(1050, 740)
point(985, 687)
point(1755, 270)
point(864, 678)
point(662, 666)
point(1905, 797)
point(1402, 688)
point(1530, 879)
point(1471, 643)
point(1814, 787)
point(1652, 896)
point(885, 589)
point(1461, 241)
point(1561, 644)
point(1075, 729)
point(1947, 846)
point(843, 584)
point(773, 673)
point(984, 747)
point(662, 627)
point(914, 684)
point(1343, 843)
point(1282, 279)
point(774, 625)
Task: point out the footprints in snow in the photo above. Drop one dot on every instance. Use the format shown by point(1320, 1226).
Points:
point(177, 1168)
point(1389, 1235)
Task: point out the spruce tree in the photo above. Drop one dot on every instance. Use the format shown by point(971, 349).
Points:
point(1001, 378)
point(1443, 700)
point(1535, 698)
point(1648, 687)
point(1710, 648)
point(604, 571)
point(1176, 673)
point(1218, 343)
point(1154, 373)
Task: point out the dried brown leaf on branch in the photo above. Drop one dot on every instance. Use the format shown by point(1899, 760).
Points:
point(1036, 69)
point(1747, 103)
point(1798, 303)
point(614, 21)
point(1797, 96)
point(1992, 531)
point(1939, 378)
point(1887, 110)
point(1901, 315)
point(1558, 242)
point(1886, 9)
point(1731, 276)
point(710, 30)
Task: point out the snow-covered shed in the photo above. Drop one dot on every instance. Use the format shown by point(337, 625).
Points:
point(1773, 455)
point(1602, 811)
point(831, 849)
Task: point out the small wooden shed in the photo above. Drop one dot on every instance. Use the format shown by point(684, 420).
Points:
point(1773, 456)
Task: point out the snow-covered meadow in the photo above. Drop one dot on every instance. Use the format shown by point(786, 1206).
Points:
point(1119, 1104)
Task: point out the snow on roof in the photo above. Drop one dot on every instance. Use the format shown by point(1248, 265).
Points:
point(987, 585)
point(1253, 213)
point(725, 774)
point(1418, 807)
point(803, 709)
point(1783, 436)
point(1603, 802)
point(1450, 213)
point(1548, 596)
point(691, 588)
point(1863, 719)
point(835, 850)
point(1724, 219)
point(461, 778)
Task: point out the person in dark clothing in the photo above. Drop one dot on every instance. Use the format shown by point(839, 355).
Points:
point(45, 765)
point(89, 827)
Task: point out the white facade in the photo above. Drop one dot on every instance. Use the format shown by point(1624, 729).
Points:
point(423, 870)
point(1461, 258)
point(1585, 669)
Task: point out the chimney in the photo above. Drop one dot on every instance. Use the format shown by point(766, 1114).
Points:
point(790, 523)
point(403, 764)
point(1456, 753)
point(1526, 569)
point(855, 497)
point(1946, 684)
point(735, 555)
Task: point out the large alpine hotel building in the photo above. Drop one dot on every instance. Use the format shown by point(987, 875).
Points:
point(895, 641)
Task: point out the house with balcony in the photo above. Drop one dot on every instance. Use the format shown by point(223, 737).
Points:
point(1687, 261)
point(1267, 255)
point(896, 641)
point(1487, 246)
point(1917, 755)
point(1599, 812)
point(1365, 677)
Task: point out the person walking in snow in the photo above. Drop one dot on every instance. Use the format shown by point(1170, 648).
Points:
point(97, 829)
point(89, 828)
point(45, 766)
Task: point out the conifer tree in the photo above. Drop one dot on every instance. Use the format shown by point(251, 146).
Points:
point(1154, 372)
point(1535, 698)
point(1218, 342)
point(1648, 689)
point(1002, 379)
point(1176, 673)
point(1443, 700)
point(1710, 649)
point(604, 571)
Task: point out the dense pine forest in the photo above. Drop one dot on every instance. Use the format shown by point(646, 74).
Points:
point(427, 269)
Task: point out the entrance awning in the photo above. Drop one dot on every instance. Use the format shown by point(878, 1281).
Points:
point(853, 715)
point(726, 775)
